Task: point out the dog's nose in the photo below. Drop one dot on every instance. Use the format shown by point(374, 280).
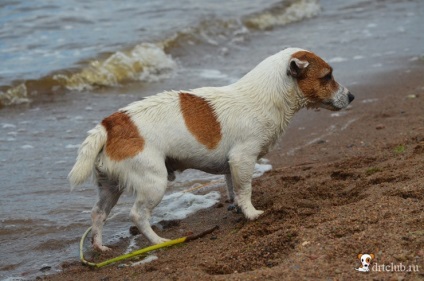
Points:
point(350, 97)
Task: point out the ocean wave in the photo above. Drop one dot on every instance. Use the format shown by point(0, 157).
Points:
point(148, 62)
point(14, 95)
point(145, 62)
point(283, 14)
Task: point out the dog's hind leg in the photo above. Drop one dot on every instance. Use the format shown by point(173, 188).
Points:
point(150, 185)
point(109, 193)
point(242, 165)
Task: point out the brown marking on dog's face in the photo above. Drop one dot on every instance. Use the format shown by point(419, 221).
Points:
point(316, 80)
point(200, 120)
point(123, 139)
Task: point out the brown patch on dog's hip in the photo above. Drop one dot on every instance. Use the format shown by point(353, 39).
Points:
point(123, 139)
point(200, 120)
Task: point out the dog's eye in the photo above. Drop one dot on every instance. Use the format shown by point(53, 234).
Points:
point(327, 77)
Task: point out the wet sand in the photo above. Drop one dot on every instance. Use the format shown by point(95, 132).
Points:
point(357, 189)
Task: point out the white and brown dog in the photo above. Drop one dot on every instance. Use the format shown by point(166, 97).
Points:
point(365, 262)
point(221, 130)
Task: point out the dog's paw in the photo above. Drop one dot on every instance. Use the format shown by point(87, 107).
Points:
point(160, 240)
point(253, 214)
point(101, 248)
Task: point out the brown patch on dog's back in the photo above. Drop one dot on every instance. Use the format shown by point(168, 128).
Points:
point(200, 120)
point(123, 139)
point(312, 81)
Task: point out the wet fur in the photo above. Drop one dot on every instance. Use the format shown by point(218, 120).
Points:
point(222, 130)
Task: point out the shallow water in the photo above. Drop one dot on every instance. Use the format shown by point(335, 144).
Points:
point(47, 47)
point(41, 221)
point(38, 37)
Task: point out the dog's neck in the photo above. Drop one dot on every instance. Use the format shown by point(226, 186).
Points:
point(270, 87)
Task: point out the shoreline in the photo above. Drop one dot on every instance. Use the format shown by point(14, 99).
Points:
point(376, 51)
point(347, 186)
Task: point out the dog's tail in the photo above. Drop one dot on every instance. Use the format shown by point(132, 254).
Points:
point(87, 154)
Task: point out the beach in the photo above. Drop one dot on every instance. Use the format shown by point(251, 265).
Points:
point(342, 183)
point(353, 191)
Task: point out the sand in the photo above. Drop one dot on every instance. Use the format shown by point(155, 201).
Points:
point(358, 188)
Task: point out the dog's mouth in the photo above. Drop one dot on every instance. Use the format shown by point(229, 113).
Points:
point(329, 105)
point(326, 104)
point(340, 102)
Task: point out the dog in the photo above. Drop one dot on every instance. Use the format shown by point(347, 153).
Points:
point(365, 262)
point(219, 130)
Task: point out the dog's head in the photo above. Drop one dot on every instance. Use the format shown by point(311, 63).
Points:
point(315, 81)
point(366, 259)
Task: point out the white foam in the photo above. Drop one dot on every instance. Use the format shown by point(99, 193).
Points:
point(358, 57)
point(15, 279)
point(179, 205)
point(132, 246)
point(337, 59)
point(8, 125)
point(297, 11)
point(260, 169)
point(213, 74)
point(27, 146)
point(15, 95)
point(72, 146)
point(145, 62)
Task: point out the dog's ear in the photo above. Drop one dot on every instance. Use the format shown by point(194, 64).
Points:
point(372, 256)
point(359, 256)
point(297, 67)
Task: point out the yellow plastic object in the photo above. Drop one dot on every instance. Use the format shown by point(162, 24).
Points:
point(138, 252)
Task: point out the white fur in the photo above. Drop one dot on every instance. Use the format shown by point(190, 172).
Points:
point(252, 113)
point(365, 264)
point(87, 154)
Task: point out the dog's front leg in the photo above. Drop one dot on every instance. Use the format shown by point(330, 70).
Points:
point(242, 165)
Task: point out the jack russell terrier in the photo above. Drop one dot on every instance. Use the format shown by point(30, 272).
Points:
point(365, 262)
point(219, 130)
